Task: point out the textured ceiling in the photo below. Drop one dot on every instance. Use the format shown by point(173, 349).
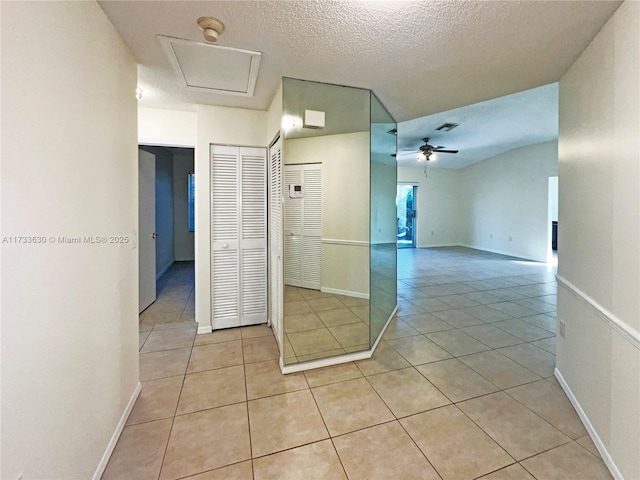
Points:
point(419, 58)
point(485, 129)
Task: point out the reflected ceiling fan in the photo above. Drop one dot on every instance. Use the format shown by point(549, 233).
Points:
point(427, 150)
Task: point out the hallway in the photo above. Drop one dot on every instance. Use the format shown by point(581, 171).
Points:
point(460, 387)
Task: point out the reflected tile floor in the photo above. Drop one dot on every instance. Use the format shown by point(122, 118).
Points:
point(459, 388)
point(319, 324)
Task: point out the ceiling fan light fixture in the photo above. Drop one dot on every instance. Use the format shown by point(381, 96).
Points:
point(211, 28)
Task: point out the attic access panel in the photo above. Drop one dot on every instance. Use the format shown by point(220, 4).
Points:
point(208, 68)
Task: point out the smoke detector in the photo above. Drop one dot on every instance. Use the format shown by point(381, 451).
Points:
point(211, 28)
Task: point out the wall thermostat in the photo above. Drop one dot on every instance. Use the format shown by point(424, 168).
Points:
point(296, 190)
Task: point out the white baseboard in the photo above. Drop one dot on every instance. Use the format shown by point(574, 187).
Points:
point(116, 435)
point(503, 252)
point(338, 359)
point(163, 271)
point(204, 329)
point(613, 469)
point(346, 293)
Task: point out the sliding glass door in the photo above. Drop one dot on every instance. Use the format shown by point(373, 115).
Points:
point(406, 215)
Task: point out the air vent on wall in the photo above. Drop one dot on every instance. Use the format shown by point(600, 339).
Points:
point(447, 126)
point(211, 68)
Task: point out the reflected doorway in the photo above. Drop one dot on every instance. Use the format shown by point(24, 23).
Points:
point(406, 215)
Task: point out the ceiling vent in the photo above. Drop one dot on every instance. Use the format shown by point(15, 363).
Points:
point(447, 127)
point(203, 67)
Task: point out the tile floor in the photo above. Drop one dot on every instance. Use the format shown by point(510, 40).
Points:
point(461, 387)
point(319, 324)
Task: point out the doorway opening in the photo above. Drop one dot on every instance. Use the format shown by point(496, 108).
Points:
point(406, 215)
point(552, 223)
point(166, 229)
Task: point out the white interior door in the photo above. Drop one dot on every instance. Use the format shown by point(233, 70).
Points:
point(276, 280)
point(238, 236)
point(303, 227)
point(146, 228)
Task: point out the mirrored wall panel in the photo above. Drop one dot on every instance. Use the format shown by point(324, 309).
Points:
point(327, 219)
point(383, 266)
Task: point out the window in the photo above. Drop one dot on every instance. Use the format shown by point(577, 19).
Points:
point(192, 196)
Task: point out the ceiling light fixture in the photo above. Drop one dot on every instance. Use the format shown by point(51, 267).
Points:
point(211, 28)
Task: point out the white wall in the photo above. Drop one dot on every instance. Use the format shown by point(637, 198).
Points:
point(599, 220)
point(504, 202)
point(69, 167)
point(173, 128)
point(438, 207)
point(164, 211)
point(345, 205)
point(220, 125)
point(182, 237)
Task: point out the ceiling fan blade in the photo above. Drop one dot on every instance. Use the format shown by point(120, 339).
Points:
point(444, 151)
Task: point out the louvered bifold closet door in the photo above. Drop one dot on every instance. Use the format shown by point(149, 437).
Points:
point(292, 228)
point(238, 236)
point(253, 248)
point(312, 226)
point(276, 291)
point(225, 254)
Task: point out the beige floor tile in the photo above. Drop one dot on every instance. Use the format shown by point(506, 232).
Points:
point(406, 392)
point(513, 309)
point(323, 304)
point(491, 336)
point(350, 405)
point(169, 339)
point(218, 336)
point(550, 402)
point(384, 359)
point(265, 379)
point(523, 330)
point(426, 323)
point(543, 321)
point(340, 316)
point(311, 294)
point(212, 388)
point(486, 314)
point(254, 331)
point(398, 329)
point(302, 323)
point(292, 296)
point(362, 312)
point(217, 355)
point(284, 421)
point(259, 349)
point(313, 341)
point(353, 301)
point(356, 348)
point(409, 308)
point(418, 350)
point(382, 452)
point(351, 334)
point(172, 325)
point(324, 354)
point(333, 374)
point(206, 440)
point(499, 370)
point(457, 343)
point(139, 451)
point(318, 461)
point(455, 446)
point(546, 344)
point(513, 472)
point(458, 318)
point(517, 429)
point(297, 308)
point(567, 461)
point(144, 328)
point(168, 363)
point(157, 400)
point(456, 380)
point(587, 443)
point(238, 471)
point(460, 301)
point(142, 337)
point(529, 356)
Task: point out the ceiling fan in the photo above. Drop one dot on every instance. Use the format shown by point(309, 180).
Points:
point(427, 150)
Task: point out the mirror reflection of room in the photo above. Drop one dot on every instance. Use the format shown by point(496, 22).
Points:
point(326, 220)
